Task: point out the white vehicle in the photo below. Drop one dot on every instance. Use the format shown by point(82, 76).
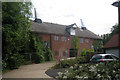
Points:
point(104, 58)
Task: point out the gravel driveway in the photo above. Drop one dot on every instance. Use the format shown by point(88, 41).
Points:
point(30, 71)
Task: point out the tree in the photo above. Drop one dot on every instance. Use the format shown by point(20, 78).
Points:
point(15, 28)
point(107, 37)
point(76, 44)
point(98, 44)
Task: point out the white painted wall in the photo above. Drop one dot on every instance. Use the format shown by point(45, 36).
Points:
point(113, 51)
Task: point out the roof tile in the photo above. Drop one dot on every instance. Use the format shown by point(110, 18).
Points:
point(52, 28)
point(113, 42)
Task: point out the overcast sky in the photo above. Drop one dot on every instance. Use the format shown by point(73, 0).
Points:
point(97, 15)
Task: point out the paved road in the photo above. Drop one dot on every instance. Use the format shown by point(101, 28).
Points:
point(30, 71)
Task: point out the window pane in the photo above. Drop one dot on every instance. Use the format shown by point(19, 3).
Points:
point(86, 40)
point(64, 39)
point(56, 38)
point(108, 57)
point(115, 57)
point(81, 40)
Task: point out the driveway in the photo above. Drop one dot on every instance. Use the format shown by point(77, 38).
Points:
point(30, 71)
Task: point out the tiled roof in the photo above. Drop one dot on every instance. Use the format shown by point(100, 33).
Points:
point(113, 42)
point(52, 28)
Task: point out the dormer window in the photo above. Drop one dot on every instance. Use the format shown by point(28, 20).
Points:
point(72, 31)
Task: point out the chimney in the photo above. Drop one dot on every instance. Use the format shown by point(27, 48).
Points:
point(82, 25)
point(36, 19)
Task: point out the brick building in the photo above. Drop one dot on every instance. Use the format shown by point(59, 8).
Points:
point(112, 46)
point(60, 37)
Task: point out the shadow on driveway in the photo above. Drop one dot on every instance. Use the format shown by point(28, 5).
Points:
point(54, 72)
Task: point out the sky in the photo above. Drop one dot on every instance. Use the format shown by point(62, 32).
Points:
point(98, 16)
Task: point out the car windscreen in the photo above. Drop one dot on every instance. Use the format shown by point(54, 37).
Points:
point(108, 57)
point(114, 57)
point(96, 57)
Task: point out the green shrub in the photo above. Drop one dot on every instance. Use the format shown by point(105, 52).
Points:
point(36, 59)
point(70, 62)
point(81, 60)
point(101, 71)
point(83, 53)
point(65, 64)
point(15, 61)
point(4, 64)
point(91, 50)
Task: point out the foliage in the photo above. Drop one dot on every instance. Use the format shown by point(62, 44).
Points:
point(70, 62)
point(107, 37)
point(4, 64)
point(91, 50)
point(109, 71)
point(76, 44)
point(81, 60)
point(15, 28)
point(43, 53)
point(17, 38)
point(98, 44)
point(83, 53)
point(64, 64)
point(15, 61)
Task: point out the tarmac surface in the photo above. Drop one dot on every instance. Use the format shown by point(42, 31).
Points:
point(30, 71)
point(54, 72)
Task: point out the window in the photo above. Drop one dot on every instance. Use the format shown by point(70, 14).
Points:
point(72, 31)
point(86, 40)
point(115, 57)
point(81, 40)
point(64, 39)
point(108, 57)
point(96, 57)
point(56, 38)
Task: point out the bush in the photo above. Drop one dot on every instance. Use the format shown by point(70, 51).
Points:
point(83, 53)
point(4, 64)
point(101, 71)
point(36, 58)
point(15, 61)
point(70, 62)
point(65, 64)
point(81, 60)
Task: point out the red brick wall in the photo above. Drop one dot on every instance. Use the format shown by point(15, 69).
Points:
point(45, 37)
point(60, 46)
point(85, 45)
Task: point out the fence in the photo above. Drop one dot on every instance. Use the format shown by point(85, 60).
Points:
point(29, 56)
